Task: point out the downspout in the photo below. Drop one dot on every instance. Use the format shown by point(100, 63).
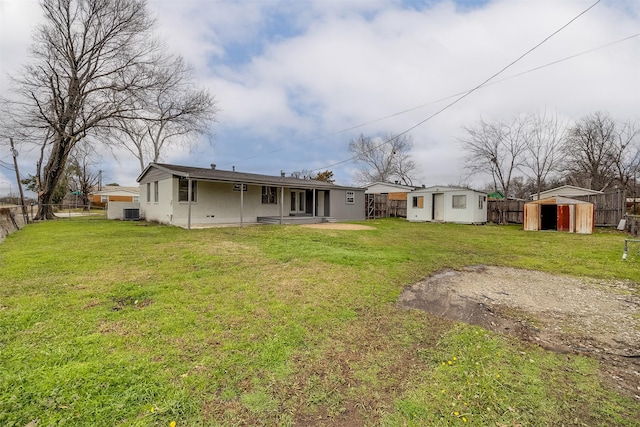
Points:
point(188, 203)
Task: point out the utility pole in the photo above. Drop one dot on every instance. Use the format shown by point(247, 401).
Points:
point(15, 163)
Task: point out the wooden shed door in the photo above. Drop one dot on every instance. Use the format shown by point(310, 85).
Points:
point(563, 218)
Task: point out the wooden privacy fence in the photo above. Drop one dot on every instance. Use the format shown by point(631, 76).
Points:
point(609, 209)
point(380, 206)
point(632, 224)
point(513, 211)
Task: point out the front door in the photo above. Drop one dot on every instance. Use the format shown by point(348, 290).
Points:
point(298, 201)
point(438, 207)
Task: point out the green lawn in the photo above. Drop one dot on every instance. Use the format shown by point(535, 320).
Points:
point(107, 323)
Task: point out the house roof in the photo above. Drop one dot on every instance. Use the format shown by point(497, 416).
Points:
point(114, 189)
point(567, 190)
point(217, 175)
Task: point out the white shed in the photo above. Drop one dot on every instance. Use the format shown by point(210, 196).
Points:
point(447, 204)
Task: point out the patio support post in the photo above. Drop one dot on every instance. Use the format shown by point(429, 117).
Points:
point(313, 207)
point(188, 203)
point(281, 204)
point(241, 205)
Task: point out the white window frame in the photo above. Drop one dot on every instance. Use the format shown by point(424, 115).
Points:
point(456, 201)
point(350, 197)
point(182, 192)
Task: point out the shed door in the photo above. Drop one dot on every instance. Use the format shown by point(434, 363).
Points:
point(438, 207)
point(531, 217)
point(548, 217)
point(564, 224)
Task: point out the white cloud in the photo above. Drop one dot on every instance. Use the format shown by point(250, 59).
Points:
point(289, 75)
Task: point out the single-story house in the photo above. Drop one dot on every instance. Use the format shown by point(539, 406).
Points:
point(447, 204)
point(565, 191)
point(190, 196)
point(114, 193)
point(560, 214)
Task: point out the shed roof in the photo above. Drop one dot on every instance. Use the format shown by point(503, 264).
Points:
point(217, 175)
point(398, 187)
point(558, 200)
point(445, 189)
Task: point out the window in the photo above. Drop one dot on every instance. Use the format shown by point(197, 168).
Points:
point(351, 197)
point(418, 202)
point(155, 191)
point(269, 195)
point(481, 200)
point(136, 199)
point(104, 199)
point(183, 190)
point(459, 202)
point(148, 192)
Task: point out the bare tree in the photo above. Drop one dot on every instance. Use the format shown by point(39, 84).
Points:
point(496, 149)
point(173, 112)
point(626, 154)
point(88, 61)
point(386, 159)
point(544, 138)
point(590, 152)
point(82, 176)
point(302, 174)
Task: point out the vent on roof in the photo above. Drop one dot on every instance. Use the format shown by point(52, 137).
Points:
point(213, 166)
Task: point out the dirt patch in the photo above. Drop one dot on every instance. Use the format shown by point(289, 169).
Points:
point(338, 226)
point(596, 318)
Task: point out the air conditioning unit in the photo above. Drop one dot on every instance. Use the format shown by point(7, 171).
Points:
point(131, 214)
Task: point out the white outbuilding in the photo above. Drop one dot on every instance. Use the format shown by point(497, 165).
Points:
point(447, 204)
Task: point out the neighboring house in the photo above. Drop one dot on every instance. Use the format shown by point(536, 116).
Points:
point(565, 191)
point(114, 193)
point(188, 196)
point(447, 204)
point(560, 214)
point(386, 199)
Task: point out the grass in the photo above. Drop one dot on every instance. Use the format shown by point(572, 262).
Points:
point(109, 323)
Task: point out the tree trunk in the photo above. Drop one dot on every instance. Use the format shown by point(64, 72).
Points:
point(53, 171)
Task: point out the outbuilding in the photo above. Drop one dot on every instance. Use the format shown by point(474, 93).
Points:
point(560, 214)
point(447, 204)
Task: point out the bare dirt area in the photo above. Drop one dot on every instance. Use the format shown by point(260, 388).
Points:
point(595, 318)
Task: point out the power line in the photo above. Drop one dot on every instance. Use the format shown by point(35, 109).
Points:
point(7, 166)
point(408, 110)
point(469, 92)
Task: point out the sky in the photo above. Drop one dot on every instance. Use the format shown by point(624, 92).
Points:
point(295, 81)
